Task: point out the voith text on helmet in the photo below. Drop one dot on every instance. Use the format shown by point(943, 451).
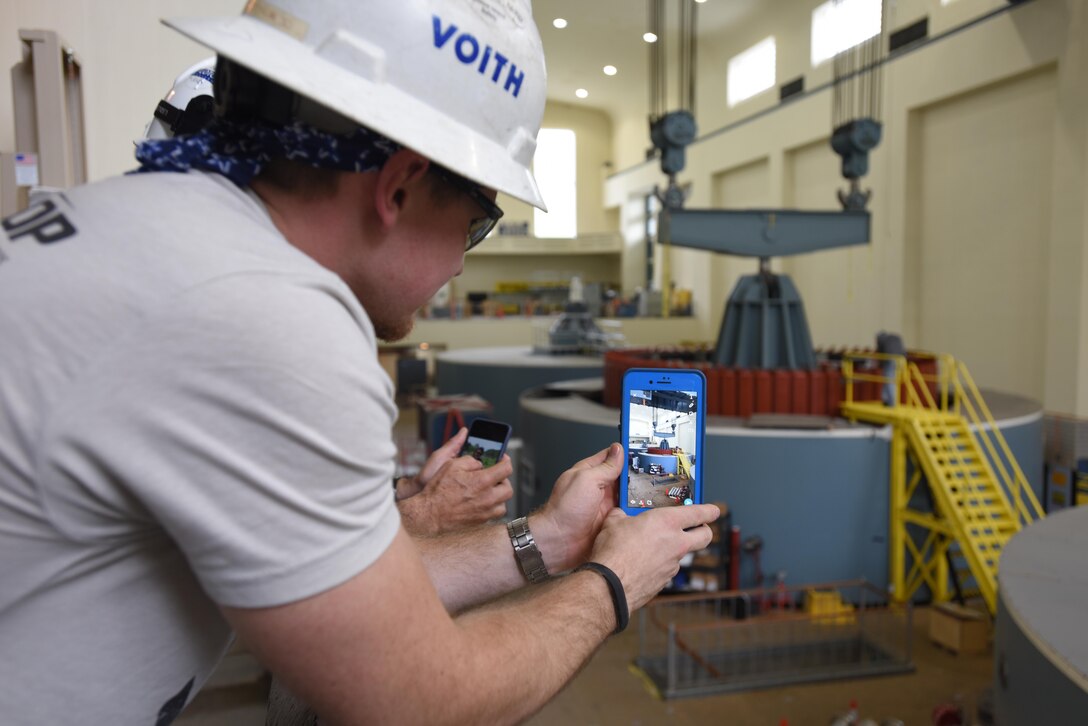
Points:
point(467, 49)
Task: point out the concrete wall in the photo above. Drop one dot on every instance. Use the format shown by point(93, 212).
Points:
point(979, 190)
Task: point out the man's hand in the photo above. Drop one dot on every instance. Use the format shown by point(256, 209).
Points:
point(454, 492)
point(582, 497)
point(645, 550)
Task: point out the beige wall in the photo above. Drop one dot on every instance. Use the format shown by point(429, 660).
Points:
point(790, 22)
point(979, 191)
point(977, 247)
point(129, 62)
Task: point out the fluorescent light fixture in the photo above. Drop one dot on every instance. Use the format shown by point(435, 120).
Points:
point(649, 37)
point(839, 25)
point(609, 70)
point(559, 23)
point(581, 93)
point(750, 72)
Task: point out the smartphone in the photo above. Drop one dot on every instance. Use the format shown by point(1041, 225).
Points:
point(486, 441)
point(663, 428)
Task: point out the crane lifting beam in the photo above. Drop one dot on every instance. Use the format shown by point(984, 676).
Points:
point(763, 232)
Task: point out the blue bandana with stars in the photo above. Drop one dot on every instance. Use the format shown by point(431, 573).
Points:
point(239, 152)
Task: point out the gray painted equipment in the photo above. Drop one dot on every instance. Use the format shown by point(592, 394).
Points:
point(764, 326)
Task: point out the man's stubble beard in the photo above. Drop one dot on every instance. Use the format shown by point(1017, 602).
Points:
point(390, 331)
point(389, 325)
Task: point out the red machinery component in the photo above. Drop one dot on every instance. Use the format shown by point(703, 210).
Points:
point(764, 391)
point(800, 401)
point(734, 557)
point(782, 396)
point(746, 393)
point(741, 392)
point(727, 392)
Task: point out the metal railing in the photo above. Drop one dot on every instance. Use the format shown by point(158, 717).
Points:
point(692, 645)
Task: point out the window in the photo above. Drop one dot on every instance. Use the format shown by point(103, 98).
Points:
point(750, 72)
point(555, 169)
point(841, 24)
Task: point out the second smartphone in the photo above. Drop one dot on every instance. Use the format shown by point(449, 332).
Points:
point(662, 429)
point(486, 441)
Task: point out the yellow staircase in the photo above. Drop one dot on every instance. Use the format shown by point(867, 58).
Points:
point(977, 495)
point(683, 465)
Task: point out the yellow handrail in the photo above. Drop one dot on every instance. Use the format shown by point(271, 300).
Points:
point(956, 393)
point(1017, 482)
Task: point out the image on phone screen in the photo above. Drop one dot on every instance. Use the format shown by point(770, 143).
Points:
point(486, 441)
point(662, 446)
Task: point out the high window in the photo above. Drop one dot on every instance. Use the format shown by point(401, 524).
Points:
point(750, 72)
point(555, 169)
point(841, 24)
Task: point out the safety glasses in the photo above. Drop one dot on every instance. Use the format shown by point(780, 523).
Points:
point(480, 227)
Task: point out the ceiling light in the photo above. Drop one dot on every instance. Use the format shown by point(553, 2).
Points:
point(559, 23)
point(700, 1)
point(581, 93)
point(609, 70)
point(649, 37)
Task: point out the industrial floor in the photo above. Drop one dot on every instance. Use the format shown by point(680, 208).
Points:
point(607, 692)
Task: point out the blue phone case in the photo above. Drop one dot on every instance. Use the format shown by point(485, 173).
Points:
point(663, 432)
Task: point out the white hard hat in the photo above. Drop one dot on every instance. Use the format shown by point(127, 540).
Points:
point(188, 105)
point(462, 83)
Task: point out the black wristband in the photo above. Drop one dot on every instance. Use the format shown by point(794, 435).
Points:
point(619, 597)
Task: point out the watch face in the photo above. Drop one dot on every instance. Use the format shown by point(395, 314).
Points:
point(529, 558)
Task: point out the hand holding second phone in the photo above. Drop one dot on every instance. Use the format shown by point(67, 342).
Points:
point(644, 551)
point(455, 491)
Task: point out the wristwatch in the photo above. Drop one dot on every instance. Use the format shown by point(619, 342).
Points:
point(529, 558)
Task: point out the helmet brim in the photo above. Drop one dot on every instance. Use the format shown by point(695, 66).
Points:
point(380, 107)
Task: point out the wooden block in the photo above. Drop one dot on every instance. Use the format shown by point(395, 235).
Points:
point(959, 629)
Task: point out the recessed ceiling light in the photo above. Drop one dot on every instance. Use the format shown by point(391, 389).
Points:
point(559, 23)
point(649, 37)
point(609, 70)
point(700, 1)
point(581, 93)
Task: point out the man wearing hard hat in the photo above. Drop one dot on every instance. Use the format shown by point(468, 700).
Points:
point(449, 492)
point(194, 428)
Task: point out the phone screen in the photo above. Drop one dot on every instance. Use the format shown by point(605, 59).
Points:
point(486, 441)
point(663, 424)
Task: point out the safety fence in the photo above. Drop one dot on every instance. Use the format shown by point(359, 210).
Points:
point(694, 645)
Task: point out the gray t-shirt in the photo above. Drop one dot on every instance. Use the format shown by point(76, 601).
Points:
point(191, 413)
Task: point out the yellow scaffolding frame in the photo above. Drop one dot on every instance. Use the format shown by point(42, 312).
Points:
point(983, 501)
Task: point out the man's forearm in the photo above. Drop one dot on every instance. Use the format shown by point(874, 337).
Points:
point(514, 643)
point(381, 649)
point(478, 564)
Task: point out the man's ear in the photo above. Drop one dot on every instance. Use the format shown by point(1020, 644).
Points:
point(400, 176)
